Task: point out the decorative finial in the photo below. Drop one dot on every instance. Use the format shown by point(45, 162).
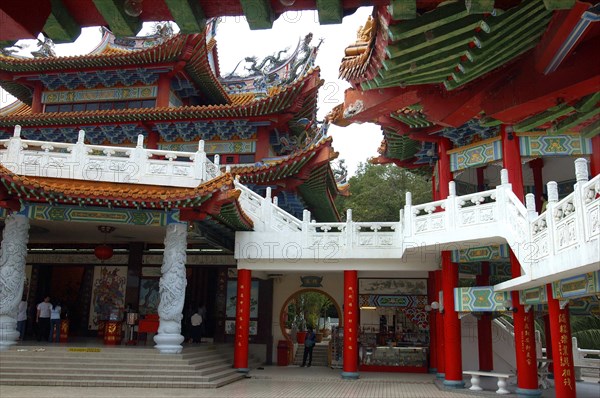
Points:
point(17, 132)
point(408, 199)
point(504, 177)
point(530, 202)
point(581, 170)
point(81, 137)
point(268, 194)
point(349, 215)
point(201, 146)
point(140, 141)
point(452, 188)
point(552, 192)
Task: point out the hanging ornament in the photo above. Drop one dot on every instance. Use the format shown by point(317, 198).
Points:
point(104, 252)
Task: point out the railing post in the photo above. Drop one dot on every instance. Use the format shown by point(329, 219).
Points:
point(13, 151)
point(408, 216)
point(581, 174)
point(200, 162)
point(349, 229)
point(552, 189)
point(501, 196)
point(265, 207)
point(530, 205)
point(79, 156)
point(305, 228)
point(451, 208)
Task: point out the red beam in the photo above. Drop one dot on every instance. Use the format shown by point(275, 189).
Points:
point(560, 28)
point(17, 21)
point(530, 92)
point(371, 104)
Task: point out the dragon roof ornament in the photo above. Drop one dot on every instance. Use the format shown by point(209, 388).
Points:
point(274, 70)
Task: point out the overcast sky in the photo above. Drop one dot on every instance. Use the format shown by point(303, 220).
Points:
point(236, 41)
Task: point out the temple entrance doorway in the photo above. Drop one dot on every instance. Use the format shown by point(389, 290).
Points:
point(309, 307)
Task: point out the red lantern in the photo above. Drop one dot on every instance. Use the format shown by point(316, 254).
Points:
point(103, 252)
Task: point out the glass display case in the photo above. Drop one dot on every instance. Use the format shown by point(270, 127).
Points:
point(407, 357)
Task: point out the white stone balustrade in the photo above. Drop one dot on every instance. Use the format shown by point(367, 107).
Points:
point(564, 241)
point(107, 163)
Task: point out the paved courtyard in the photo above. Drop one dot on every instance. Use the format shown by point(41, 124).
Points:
point(288, 382)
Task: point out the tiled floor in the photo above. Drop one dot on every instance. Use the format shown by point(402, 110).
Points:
point(289, 382)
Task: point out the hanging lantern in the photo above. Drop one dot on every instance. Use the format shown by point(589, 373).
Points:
point(103, 252)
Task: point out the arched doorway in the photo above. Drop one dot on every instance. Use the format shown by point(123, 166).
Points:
point(309, 307)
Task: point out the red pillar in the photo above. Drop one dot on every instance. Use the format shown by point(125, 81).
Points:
point(484, 326)
point(263, 145)
point(36, 100)
point(439, 320)
point(595, 157)
point(527, 378)
point(152, 142)
point(163, 91)
point(444, 173)
point(536, 166)
point(452, 345)
point(242, 321)
point(560, 329)
point(350, 368)
point(432, 296)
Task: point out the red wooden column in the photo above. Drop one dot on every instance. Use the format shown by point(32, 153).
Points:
point(527, 378)
point(595, 157)
point(36, 100)
point(439, 321)
point(153, 138)
point(242, 321)
point(262, 144)
point(536, 166)
point(431, 297)
point(452, 336)
point(163, 91)
point(560, 329)
point(350, 368)
point(484, 325)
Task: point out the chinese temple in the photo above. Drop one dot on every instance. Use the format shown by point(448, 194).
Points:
point(146, 140)
point(142, 135)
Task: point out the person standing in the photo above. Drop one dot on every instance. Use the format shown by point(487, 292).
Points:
point(54, 323)
point(42, 318)
point(22, 319)
point(196, 321)
point(309, 344)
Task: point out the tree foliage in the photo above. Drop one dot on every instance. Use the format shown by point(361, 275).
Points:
point(377, 192)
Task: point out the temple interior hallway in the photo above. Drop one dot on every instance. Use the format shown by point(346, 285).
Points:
point(291, 382)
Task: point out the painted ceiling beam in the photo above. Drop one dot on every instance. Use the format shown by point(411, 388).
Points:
point(527, 92)
point(330, 11)
point(258, 13)
point(591, 130)
point(188, 14)
point(120, 23)
point(60, 26)
point(403, 9)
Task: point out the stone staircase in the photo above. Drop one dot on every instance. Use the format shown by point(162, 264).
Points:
point(206, 366)
point(319, 355)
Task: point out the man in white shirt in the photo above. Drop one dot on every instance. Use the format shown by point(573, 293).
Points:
point(43, 319)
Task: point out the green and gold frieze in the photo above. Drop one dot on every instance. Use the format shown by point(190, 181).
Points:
point(541, 144)
point(474, 155)
point(94, 95)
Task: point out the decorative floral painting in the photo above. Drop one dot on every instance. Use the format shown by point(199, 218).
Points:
point(108, 293)
point(232, 299)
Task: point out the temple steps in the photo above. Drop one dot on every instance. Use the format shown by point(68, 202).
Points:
point(320, 355)
point(206, 366)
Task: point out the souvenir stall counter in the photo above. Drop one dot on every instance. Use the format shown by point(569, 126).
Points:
point(394, 327)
